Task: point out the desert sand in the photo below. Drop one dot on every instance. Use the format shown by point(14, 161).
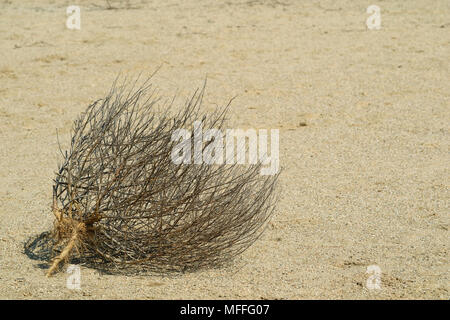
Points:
point(364, 135)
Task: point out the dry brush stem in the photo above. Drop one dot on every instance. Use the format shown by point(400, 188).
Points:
point(118, 195)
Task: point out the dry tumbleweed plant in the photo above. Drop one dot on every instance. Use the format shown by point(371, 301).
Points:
point(119, 197)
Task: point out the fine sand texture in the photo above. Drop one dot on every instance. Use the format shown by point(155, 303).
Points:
point(364, 136)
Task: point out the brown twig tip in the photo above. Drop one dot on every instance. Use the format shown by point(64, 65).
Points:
point(118, 196)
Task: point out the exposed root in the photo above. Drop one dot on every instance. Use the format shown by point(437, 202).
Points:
point(64, 255)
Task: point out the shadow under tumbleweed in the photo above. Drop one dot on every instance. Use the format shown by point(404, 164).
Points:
point(41, 248)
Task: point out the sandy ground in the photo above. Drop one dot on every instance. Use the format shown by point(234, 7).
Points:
point(364, 135)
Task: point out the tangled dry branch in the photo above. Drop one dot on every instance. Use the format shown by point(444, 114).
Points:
point(118, 196)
